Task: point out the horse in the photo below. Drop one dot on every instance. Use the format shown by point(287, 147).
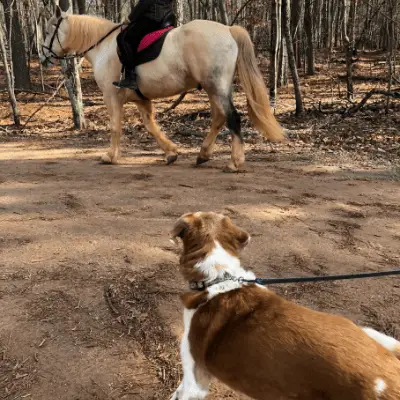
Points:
point(201, 52)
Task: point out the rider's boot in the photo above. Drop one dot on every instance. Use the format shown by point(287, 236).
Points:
point(129, 82)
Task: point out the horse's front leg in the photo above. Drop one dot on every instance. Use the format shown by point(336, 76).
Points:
point(115, 110)
point(170, 149)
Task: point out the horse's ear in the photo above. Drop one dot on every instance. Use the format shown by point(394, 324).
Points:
point(58, 12)
point(64, 5)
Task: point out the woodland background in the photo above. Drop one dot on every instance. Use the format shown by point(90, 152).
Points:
point(89, 281)
point(290, 34)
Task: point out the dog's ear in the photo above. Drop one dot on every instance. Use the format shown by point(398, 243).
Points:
point(178, 230)
point(240, 236)
point(243, 238)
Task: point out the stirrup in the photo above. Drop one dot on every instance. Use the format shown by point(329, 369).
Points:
point(121, 76)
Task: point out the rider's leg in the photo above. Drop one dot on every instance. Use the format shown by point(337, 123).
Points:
point(131, 41)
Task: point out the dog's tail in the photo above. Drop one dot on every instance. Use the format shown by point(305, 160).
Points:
point(387, 342)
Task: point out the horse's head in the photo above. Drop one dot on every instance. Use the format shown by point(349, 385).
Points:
point(54, 46)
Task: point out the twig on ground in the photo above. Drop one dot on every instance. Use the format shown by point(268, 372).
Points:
point(27, 91)
point(107, 297)
point(44, 104)
point(177, 102)
point(393, 94)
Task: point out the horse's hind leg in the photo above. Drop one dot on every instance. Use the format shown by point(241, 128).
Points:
point(234, 124)
point(223, 110)
point(218, 120)
point(147, 112)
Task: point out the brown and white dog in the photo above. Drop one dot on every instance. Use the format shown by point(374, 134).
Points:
point(262, 345)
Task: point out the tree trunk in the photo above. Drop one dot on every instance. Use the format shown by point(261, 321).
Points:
point(82, 7)
point(276, 29)
point(295, 23)
point(283, 65)
point(348, 51)
point(222, 11)
point(73, 84)
point(9, 80)
point(308, 26)
point(107, 9)
point(291, 58)
point(391, 40)
point(181, 12)
point(17, 45)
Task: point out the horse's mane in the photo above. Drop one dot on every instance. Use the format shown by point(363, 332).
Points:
point(85, 30)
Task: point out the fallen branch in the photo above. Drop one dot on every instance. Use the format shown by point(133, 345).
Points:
point(392, 94)
point(395, 79)
point(40, 93)
point(175, 103)
point(44, 104)
point(179, 101)
point(365, 78)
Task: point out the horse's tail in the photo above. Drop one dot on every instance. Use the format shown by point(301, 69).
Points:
point(253, 84)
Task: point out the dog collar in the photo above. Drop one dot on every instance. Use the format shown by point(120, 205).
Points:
point(203, 285)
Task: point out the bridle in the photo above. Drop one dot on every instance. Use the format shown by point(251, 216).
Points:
point(53, 55)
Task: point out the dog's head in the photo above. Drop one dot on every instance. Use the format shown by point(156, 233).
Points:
point(203, 232)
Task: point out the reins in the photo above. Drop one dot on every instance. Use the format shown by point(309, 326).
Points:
point(67, 57)
point(199, 286)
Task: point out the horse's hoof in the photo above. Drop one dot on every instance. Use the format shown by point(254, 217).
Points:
point(229, 170)
point(201, 160)
point(232, 169)
point(106, 159)
point(171, 159)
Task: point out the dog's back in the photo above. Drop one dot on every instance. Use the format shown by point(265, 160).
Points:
point(260, 344)
point(268, 348)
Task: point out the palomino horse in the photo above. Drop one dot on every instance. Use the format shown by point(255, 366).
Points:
point(201, 52)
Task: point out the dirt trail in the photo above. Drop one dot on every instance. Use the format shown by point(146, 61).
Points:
point(71, 228)
point(89, 285)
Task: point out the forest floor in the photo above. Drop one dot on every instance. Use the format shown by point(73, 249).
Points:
point(89, 282)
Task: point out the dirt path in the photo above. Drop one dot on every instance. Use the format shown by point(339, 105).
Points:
point(73, 230)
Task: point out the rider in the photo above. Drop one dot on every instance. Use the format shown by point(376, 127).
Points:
point(146, 17)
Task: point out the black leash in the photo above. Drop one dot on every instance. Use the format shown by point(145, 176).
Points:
point(277, 281)
point(203, 285)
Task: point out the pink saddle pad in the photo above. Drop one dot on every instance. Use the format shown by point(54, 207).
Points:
point(151, 38)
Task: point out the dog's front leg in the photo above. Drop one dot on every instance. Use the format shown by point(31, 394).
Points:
point(195, 382)
point(191, 389)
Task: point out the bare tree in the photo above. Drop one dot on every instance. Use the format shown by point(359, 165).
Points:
point(276, 41)
point(391, 10)
point(73, 83)
point(222, 11)
point(309, 29)
point(9, 80)
point(292, 60)
point(17, 44)
point(81, 6)
point(348, 50)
